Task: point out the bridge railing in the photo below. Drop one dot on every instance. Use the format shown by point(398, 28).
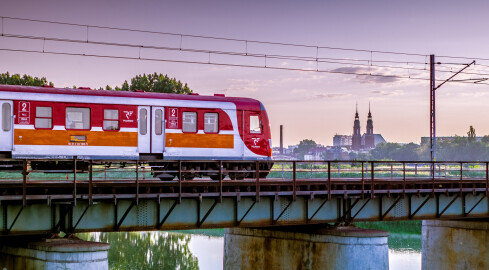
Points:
point(103, 179)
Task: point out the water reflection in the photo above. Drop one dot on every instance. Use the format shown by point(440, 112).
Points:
point(203, 249)
point(147, 250)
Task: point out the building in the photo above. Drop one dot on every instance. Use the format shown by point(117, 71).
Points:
point(342, 140)
point(368, 138)
point(356, 140)
point(377, 139)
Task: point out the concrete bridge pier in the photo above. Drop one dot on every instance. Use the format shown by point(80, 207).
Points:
point(305, 247)
point(59, 253)
point(455, 244)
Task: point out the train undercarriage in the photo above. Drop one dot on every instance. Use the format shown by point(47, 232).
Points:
point(164, 170)
point(191, 169)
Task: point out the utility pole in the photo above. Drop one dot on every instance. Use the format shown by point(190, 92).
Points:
point(432, 109)
point(433, 89)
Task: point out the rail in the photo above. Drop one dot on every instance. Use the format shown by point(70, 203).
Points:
point(22, 180)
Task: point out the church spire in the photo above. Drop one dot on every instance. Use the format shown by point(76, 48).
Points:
point(356, 137)
point(369, 113)
point(370, 137)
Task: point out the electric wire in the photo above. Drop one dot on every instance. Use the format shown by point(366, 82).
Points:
point(366, 63)
point(229, 53)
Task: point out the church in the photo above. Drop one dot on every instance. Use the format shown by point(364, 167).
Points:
point(368, 140)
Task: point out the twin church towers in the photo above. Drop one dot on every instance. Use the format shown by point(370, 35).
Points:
point(368, 140)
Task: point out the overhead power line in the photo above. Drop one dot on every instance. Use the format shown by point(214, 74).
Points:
point(366, 67)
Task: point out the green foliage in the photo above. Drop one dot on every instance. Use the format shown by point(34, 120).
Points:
point(149, 83)
point(156, 83)
point(304, 147)
point(456, 149)
point(471, 133)
point(16, 79)
point(403, 234)
point(147, 250)
point(359, 156)
point(404, 227)
point(395, 151)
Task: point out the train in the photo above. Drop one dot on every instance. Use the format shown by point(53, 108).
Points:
point(160, 129)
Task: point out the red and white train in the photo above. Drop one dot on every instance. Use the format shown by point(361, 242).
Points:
point(55, 123)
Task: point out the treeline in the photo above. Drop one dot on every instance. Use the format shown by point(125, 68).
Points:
point(16, 79)
point(457, 148)
point(149, 83)
point(153, 83)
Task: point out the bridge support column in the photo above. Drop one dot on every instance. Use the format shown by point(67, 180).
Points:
point(52, 254)
point(305, 248)
point(455, 244)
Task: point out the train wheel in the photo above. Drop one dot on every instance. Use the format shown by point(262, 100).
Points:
point(188, 176)
point(237, 176)
point(165, 176)
point(216, 177)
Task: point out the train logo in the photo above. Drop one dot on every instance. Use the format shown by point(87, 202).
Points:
point(128, 116)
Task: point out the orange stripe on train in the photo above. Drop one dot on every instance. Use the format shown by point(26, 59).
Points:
point(199, 140)
point(75, 138)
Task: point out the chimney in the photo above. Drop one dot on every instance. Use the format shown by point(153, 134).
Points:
point(281, 139)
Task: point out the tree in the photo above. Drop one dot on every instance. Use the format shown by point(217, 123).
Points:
point(471, 134)
point(156, 83)
point(147, 250)
point(395, 151)
point(304, 147)
point(16, 79)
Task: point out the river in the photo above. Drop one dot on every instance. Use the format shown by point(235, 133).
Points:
point(204, 249)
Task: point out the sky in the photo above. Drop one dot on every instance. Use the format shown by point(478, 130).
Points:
point(310, 105)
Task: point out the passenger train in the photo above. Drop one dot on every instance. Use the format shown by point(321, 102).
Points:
point(55, 123)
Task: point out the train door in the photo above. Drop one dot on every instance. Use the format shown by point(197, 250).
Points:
point(253, 134)
point(157, 130)
point(144, 129)
point(6, 132)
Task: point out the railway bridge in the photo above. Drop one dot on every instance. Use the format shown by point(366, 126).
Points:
point(107, 195)
point(124, 196)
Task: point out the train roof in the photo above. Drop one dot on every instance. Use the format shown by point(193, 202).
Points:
point(241, 103)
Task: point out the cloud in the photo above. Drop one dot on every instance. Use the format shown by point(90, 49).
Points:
point(387, 93)
point(371, 75)
point(248, 85)
point(377, 79)
point(331, 95)
point(473, 94)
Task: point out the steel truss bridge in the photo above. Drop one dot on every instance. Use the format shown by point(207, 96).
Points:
point(124, 196)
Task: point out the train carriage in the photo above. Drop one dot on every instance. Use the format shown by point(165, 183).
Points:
point(53, 123)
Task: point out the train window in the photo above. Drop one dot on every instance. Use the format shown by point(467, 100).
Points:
point(158, 122)
point(111, 119)
point(211, 122)
point(143, 121)
point(189, 122)
point(44, 117)
point(6, 117)
point(77, 118)
point(255, 125)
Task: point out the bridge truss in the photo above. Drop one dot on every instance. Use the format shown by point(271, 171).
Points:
point(124, 196)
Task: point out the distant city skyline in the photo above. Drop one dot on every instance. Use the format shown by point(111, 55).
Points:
point(310, 105)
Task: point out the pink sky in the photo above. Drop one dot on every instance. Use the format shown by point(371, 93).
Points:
point(309, 104)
